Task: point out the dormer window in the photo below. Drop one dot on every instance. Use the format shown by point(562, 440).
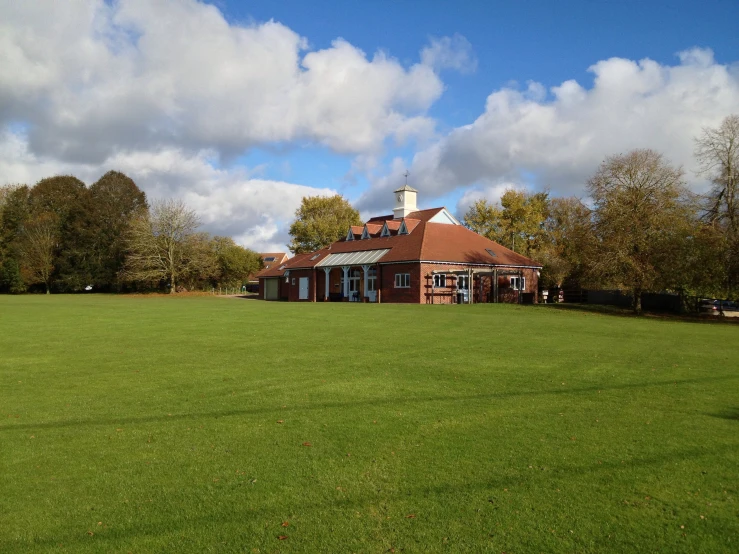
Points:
point(365, 233)
point(350, 234)
point(403, 229)
point(385, 231)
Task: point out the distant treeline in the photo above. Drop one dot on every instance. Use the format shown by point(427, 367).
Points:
point(641, 229)
point(62, 236)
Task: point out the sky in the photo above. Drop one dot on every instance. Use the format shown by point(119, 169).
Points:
point(241, 109)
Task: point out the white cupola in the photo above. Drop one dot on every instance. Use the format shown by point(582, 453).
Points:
point(405, 201)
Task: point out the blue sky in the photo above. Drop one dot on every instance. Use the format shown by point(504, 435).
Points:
point(242, 108)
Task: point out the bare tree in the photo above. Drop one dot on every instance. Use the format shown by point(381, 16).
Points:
point(717, 151)
point(40, 238)
point(640, 205)
point(159, 243)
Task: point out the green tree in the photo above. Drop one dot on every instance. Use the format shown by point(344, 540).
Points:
point(319, 221)
point(518, 223)
point(568, 243)
point(40, 240)
point(235, 263)
point(14, 212)
point(66, 197)
point(640, 211)
point(114, 201)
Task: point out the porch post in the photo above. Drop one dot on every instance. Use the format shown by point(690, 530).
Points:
point(327, 271)
point(345, 292)
point(366, 268)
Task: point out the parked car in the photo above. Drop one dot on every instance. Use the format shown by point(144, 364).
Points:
point(713, 306)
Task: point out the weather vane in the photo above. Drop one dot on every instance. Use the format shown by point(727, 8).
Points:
point(406, 176)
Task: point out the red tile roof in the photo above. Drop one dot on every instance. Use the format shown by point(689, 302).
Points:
point(426, 241)
point(279, 259)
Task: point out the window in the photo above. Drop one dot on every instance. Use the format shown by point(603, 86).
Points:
point(385, 231)
point(365, 233)
point(315, 257)
point(439, 281)
point(293, 281)
point(518, 283)
point(402, 280)
point(372, 279)
point(463, 282)
point(269, 259)
point(403, 229)
point(350, 234)
point(491, 252)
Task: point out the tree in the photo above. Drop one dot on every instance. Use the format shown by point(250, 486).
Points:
point(114, 201)
point(67, 198)
point(41, 236)
point(568, 243)
point(319, 221)
point(161, 244)
point(518, 223)
point(235, 263)
point(639, 210)
point(717, 151)
point(13, 216)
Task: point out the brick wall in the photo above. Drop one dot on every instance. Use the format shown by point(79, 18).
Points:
point(400, 295)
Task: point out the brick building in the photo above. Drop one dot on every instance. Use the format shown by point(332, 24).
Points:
point(413, 256)
point(269, 260)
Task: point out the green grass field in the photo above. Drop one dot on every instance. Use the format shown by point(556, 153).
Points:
point(226, 425)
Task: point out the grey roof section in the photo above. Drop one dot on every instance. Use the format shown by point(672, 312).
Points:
point(353, 258)
point(405, 187)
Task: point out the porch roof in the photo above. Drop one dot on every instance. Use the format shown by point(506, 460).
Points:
point(353, 258)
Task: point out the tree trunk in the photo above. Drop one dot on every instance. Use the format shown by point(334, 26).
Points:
point(636, 301)
point(48, 290)
point(172, 288)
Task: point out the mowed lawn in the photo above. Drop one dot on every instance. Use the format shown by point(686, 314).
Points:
point(208, 424)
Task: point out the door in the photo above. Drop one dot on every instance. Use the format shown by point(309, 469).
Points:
point(372, 284)
point(303, 289)
point(271, 289)
point(463, 289)
point(354, 285)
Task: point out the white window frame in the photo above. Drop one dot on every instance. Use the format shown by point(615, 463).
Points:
point(518, 285)
point(402, 280)
point(439, 280)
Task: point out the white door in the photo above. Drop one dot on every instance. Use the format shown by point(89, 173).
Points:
point(371, 285)
point(354, 285)
point(303, 290)
point(463, 289)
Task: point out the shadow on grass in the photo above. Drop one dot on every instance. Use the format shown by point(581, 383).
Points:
point(728, 413)
point(626, 312)
point(394, 401)
point(486, 494)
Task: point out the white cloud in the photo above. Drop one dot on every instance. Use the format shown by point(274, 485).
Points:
point(557, 138)
point(230, 202)
point(492, 193)
point(453, 52)
point(91, 78)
